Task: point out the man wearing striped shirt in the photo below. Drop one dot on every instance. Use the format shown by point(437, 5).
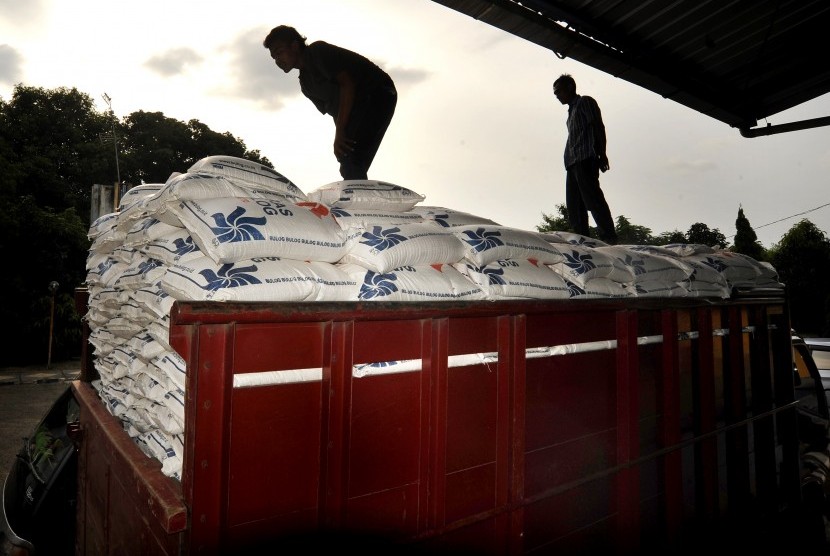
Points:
point(584, 159)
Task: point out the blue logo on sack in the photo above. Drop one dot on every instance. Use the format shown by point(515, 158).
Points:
point(381, 240)
point(482, 241)
point(573, 289)
point(147, 266)
point(442, 220)
point(637, 265)
point(184, 246)
point(229, 277)
point(377, 285)
point(495, 276)
point(579, 263)
point(237, 227)
point(714, 263)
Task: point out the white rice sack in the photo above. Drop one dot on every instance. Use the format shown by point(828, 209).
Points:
point(159, 329)
point(570, 237)
point(176, 245)
point(173, 368)
point(121, 389)
point(157, 444)
point(97, 318)
point(103, 341)
point(515, 279)
point(581, 263)
point(487, 244)
point(448, 218)
point(201, 185)
point(145, 346)
point(109, 240)
point(106, 272)
point(129, 359)
point(229, 229)
point(137, 313)
point(110, 298)
point(367, 218)
point(657, 288)
point(128, 217)
point(249, 173)
point(735, 268)
point(767, 283)
point(702, 288)
point(96, 258)
point(705, 273)
point(154, 299)
point(767, 270)
point(147, 229)
point(652, 250)
point(144, 272)
point(413, 283)
point(161, 418)
point(686, 249)
point(174, 401)
point(151, 388)
point(366, 194)
point(102, 224)
point(646, 267)
point(123, 327)
point(126, 254)
point(258, 279)
point(381, 248)
point(137, 194)
point(598, 288)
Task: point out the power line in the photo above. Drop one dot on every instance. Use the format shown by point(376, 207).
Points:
point(787, 217)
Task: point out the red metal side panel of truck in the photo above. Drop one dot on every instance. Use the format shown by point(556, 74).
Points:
point(526, 426)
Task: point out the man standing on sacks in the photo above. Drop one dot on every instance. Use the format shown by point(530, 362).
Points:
point(358, 94)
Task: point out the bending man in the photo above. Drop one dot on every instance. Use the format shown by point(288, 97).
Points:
point(358, 95)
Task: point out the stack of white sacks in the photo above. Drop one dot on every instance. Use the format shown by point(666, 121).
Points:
point(230, 229)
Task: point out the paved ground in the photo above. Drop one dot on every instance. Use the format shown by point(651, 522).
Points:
point(26, 394)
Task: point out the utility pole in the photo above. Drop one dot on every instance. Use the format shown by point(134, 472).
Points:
point(108, 100)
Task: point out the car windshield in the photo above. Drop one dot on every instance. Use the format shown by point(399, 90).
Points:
point(822, 358)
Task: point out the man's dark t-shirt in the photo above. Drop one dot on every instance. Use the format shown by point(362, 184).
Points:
point(322, 63)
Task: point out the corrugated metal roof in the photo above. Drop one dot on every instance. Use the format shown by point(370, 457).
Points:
point(737, 61)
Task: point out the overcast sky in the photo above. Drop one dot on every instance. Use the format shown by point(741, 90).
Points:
point(476, 129)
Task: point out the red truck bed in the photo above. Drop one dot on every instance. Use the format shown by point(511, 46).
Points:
point(659, 421)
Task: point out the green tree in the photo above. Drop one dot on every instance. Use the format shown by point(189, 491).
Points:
point(802, 259)
point(666, 238)
point(701, 234)
point(52, 144)
point(40, 245)
point(154, 146)
point(53, 148)
point(630, 234)
point(746, 241)
point(555, 222)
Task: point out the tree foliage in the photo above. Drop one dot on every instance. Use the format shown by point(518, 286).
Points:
point(154, 146)
point(54, 146)
point(701, 234)
point(555, 222)
point(746, 241)
point(633, 234)
point(802, 259)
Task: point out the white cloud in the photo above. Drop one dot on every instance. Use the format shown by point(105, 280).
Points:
point(11, 65)
point(174, 61)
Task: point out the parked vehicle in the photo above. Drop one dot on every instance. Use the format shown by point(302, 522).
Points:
point(820, 348)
